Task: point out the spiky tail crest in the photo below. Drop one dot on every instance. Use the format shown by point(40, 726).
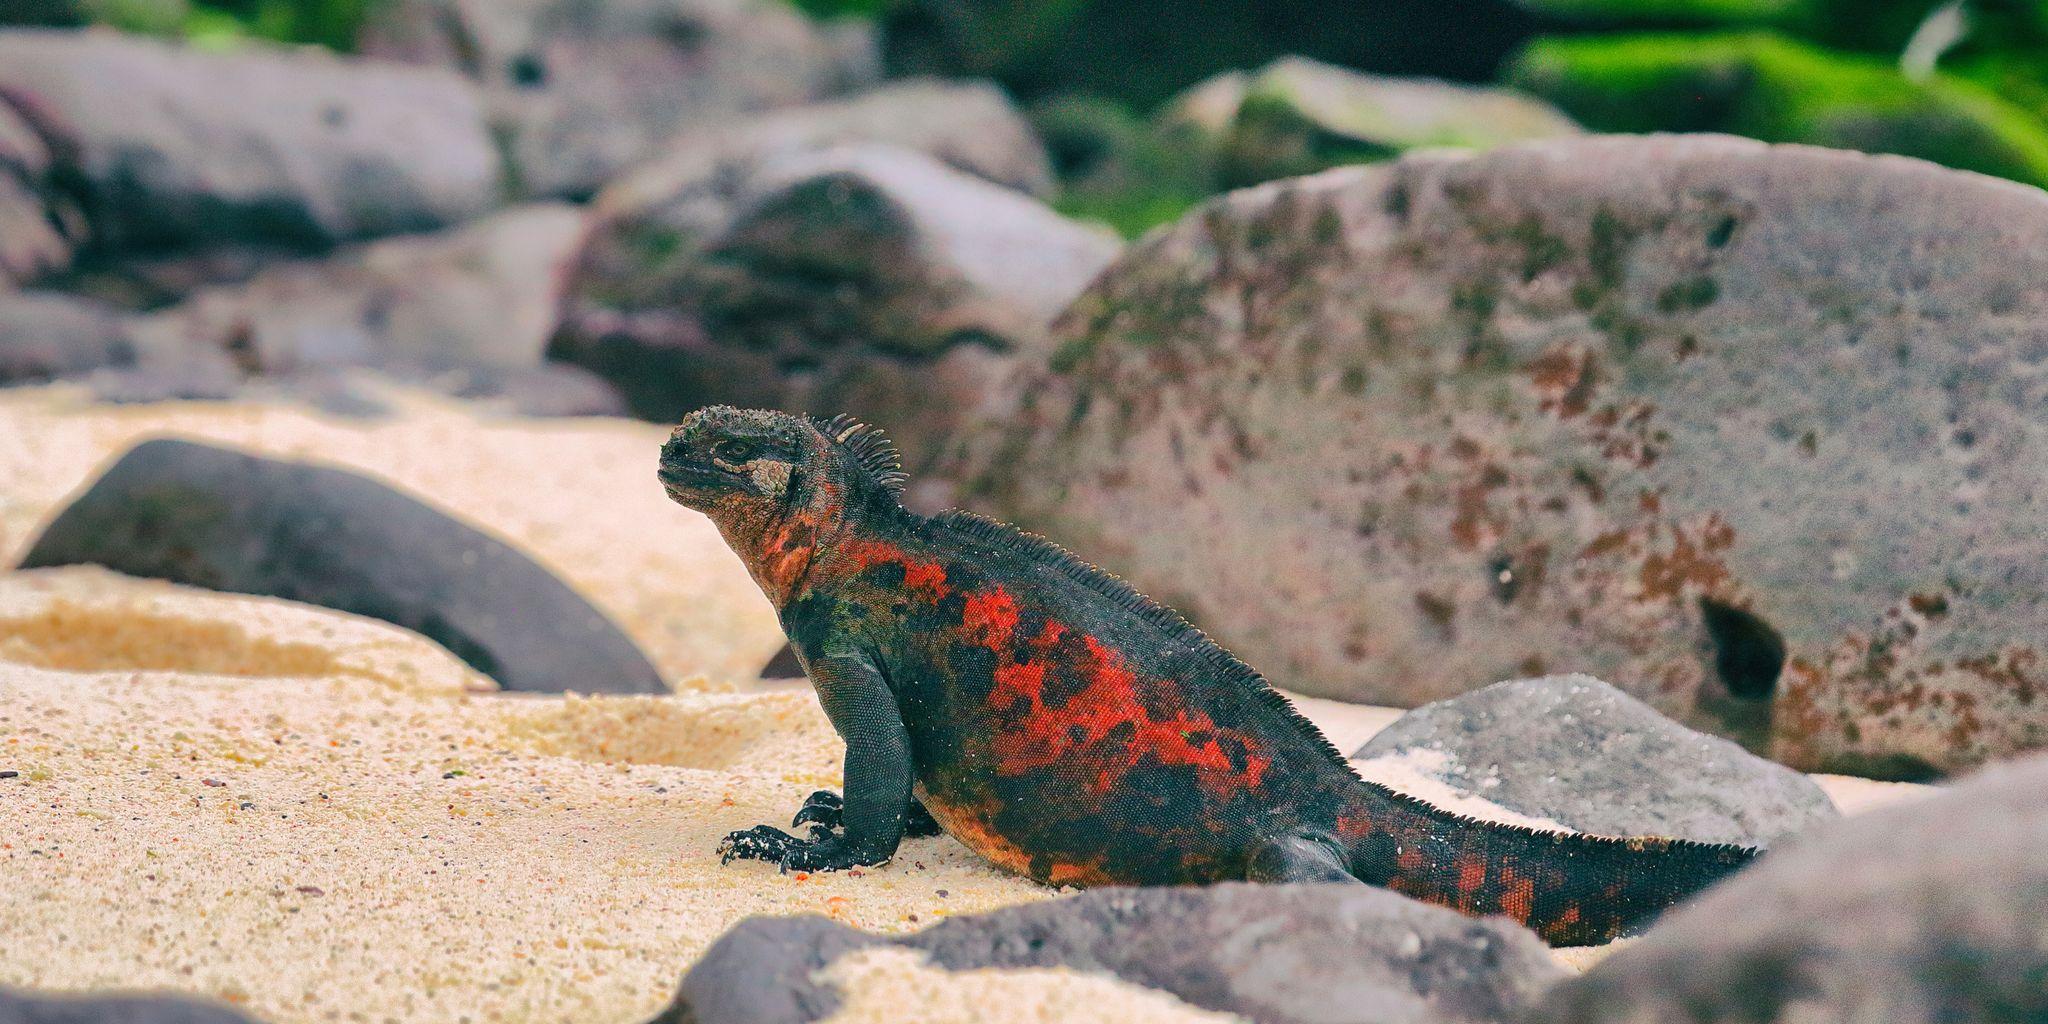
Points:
point(1572, 889)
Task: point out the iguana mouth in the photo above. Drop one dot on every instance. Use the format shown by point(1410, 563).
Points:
point(688, 476)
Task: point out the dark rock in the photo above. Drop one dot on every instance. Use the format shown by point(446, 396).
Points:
point(584, 90)
point(23, 1008)
point(1296, 116)
point(867, 279)
point(1926, 912)
point(1303, 953)
point(33, 242)
point(147, 17)
point(1748, 430)
point(46, 335)
point(172, 146)
point(482, 295)
point(1579, 752)
point(208, 517)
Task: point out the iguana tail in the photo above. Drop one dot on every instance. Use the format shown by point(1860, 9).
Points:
point(1572, 889)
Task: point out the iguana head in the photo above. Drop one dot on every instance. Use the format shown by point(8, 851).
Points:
point(750, 468)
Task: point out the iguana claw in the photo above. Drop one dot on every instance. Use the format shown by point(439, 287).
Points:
point(821, 808)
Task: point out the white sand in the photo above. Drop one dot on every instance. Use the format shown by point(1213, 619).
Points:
point(320, 847)
point(321, 818)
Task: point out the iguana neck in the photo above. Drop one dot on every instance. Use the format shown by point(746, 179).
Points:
point(782, 551)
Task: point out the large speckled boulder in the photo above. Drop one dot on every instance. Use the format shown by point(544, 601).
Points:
point(1753, 432)
point(1293, 954)
point(174, 145)
point(1930, 912)
point(583, 90)
point(1574, 750)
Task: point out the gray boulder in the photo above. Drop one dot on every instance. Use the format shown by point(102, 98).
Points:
point(1579, 752)
point(175, 145)
point(24, 1008)
point(48, 335)
point(1749, 430)
point(585, 90)
point(1298, 953)
point(868, 279)
point(208, 517)
point(1927, 912)
point(483, 295)
point(1296, 115)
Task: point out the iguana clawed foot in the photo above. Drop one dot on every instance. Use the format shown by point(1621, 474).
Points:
point(826, 850)
point(824, 807)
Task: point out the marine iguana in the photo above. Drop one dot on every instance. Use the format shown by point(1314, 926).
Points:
point(1067, 728)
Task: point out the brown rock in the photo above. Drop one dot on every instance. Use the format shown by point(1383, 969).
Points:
point(1750, 431)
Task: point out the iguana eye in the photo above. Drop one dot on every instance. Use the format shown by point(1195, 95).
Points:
point(734, 452)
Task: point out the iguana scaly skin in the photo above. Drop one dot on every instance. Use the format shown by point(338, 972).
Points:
point(1068, 729)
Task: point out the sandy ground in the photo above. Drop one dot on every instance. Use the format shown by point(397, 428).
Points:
point(322, 818)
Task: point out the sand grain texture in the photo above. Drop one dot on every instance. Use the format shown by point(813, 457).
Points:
point(330, 847)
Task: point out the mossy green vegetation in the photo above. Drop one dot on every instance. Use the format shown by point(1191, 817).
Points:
point(1768, 87)
point(1875, 26)
point(1117, 168)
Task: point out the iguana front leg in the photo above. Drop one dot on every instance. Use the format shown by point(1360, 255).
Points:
point(826, 807)
point(877, 778)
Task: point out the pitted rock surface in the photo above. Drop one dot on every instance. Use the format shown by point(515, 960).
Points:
point(1754, 432)
point(1574, 750)
point(1327, 954)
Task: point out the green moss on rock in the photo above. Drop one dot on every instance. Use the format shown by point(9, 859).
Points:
point(1768, 87)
